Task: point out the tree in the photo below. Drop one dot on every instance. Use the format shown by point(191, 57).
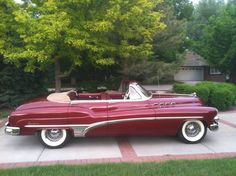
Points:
point(233, 2)
point(183, 9)
point(219, 41)
point(170, 42)
point(8, 35)
point(202, 13)
point(135, 26)
point(149, 71)
point(168, 45)
point(208, 8)
point(103, 32)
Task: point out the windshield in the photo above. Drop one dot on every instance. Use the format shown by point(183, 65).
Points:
point(144, 91)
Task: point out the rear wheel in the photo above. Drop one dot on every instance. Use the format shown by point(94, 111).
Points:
point(192, 131)
point(54, 138)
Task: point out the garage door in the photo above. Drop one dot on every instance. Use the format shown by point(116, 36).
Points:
point(190, 74)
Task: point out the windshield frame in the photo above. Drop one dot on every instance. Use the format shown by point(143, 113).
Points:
point(144, 91)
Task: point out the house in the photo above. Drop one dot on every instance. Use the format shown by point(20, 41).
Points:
point(195, 68)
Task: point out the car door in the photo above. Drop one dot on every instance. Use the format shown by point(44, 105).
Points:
point(88, 118)
point(168, 118)
point(130, 117)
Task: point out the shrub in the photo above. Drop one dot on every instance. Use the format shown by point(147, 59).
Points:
point(200, 90)
point(219, 95)
point(232, 89)
point(222, 98)
point(183, 88)
point(203, 92)
point(210, 85)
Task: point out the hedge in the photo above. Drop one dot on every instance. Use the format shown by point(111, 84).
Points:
point(219, 95)
point(16, 86)
point(202, 91)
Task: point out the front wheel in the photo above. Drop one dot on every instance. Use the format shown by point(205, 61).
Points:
point(192, 131)
point(54, 138)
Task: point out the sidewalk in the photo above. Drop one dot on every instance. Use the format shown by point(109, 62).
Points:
point(24, 151)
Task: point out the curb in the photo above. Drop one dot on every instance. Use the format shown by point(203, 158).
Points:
point(119, 160)
point(229, 111)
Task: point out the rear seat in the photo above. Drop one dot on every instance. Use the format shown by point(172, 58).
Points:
point(72, 94)
point(104, 96)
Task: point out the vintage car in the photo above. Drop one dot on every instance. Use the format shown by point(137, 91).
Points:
point(136, 112)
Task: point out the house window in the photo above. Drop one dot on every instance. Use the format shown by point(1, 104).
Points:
point(214, 71)
point(192, 68)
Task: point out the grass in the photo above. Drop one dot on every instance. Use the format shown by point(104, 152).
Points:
point(4, 113)
point(216, 167)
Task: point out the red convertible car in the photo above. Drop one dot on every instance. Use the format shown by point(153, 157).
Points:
point(136, 112)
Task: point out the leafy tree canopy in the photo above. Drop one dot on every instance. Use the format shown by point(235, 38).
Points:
point(168, 45)
point(103, 32)
point(183, 9)
point(170, 42)
point(219, 41)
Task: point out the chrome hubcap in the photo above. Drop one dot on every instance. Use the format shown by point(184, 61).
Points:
point(192, 129)
point(54, 134)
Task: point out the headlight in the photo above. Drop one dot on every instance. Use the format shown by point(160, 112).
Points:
point(217, 119)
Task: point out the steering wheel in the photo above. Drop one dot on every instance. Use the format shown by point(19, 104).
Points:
point(126, 96)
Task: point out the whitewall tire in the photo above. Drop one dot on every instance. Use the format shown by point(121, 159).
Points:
point(192, 131)
point(54, 138)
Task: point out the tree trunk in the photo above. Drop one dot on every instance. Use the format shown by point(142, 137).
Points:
point(73, 81)
point(57, 76)
point(233, 77)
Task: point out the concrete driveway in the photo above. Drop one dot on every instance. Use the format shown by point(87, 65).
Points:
point(27, 150)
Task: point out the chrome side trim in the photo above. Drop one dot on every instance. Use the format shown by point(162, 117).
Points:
point(179, 117)
point(80, 130)
point(177, 94)
point(106, 101)
point(52, 126)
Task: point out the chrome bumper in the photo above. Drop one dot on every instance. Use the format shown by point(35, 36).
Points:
point(11, 130)
point(215, 125)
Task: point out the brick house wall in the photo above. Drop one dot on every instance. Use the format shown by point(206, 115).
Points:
point(213, 77)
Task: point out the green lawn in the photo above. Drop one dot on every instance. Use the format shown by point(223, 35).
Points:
point(216, 167)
